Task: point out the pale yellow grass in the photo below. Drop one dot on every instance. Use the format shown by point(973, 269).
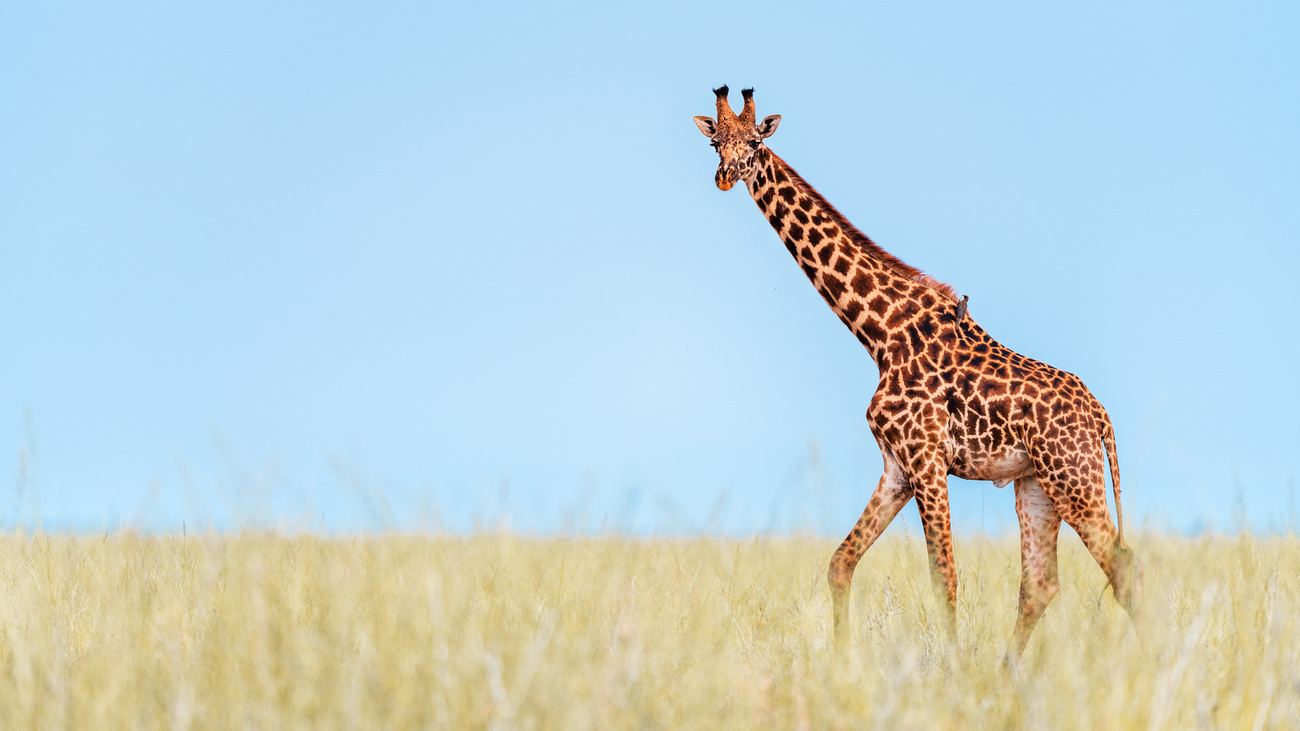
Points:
point(267, 631)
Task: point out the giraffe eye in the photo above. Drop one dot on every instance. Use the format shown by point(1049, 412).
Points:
point(713, 144)
point(753, 144)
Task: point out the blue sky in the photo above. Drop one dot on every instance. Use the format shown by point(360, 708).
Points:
point(456, 265)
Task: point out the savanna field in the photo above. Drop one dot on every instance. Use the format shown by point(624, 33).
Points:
point(270, 631)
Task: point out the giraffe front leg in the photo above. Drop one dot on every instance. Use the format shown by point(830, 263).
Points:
point(1040, 526)
point(932, 502)
point(892, 493)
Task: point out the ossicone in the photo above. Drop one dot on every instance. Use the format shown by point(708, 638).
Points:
point(724, 109)
point(747, 114)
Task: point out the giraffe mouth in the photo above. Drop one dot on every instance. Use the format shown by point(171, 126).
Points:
point(725, 179)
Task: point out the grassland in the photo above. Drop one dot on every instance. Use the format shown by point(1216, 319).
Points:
point(498, 631)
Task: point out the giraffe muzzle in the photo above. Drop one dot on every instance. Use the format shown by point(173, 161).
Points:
point(725, 178)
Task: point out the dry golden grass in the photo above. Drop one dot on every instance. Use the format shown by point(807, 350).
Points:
point(268, 631)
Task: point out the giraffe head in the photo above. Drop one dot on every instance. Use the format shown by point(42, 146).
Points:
point(736, 138)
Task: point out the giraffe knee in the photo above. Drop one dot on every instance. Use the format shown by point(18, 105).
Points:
point(840, 573)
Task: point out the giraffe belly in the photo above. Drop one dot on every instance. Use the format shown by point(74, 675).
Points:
point(1000, 467)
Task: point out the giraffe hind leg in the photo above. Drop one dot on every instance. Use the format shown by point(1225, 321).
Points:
point(1079, 495)
point(1040, 526)
point(1120, 565)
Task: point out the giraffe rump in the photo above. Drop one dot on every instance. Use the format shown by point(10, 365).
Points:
point(862, 241)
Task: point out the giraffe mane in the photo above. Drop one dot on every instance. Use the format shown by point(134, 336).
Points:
point(871, 248)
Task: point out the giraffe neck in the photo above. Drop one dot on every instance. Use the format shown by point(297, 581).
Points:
point(873, 292)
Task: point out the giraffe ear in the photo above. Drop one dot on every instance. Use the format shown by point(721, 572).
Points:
point(706, 126)
point(767, 127)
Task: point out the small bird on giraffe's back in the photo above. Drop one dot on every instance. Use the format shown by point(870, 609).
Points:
point(951, 400)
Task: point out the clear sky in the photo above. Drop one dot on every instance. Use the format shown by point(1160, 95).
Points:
point(345, 266)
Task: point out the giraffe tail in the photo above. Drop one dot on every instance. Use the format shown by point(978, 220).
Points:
point(1108, 441)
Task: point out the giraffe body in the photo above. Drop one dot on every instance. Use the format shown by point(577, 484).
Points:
point(951, 400)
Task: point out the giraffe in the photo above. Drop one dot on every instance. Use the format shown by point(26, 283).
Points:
point(951, 400)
